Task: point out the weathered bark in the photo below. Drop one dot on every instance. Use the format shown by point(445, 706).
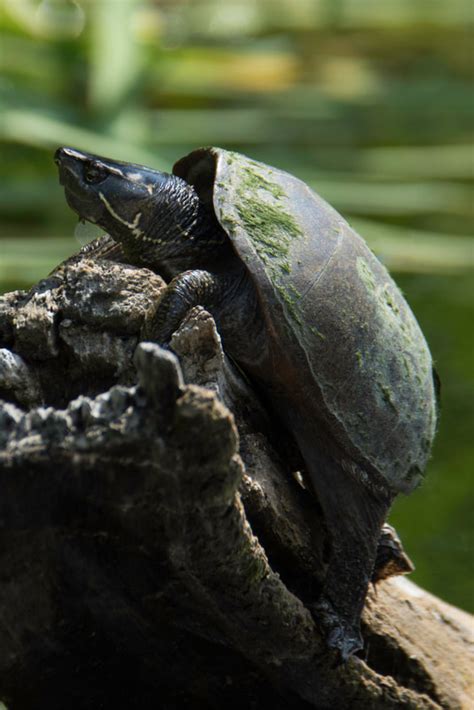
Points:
point(157, 549)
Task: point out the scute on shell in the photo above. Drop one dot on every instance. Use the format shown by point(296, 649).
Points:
point(329, 302)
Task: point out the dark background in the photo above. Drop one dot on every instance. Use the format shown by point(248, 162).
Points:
point(370, 102)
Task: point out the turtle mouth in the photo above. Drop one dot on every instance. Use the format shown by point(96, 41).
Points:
point(90, 211)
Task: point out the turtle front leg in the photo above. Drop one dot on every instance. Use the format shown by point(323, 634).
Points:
point(189, 289)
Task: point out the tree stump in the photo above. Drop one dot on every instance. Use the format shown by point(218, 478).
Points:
point(159, 547)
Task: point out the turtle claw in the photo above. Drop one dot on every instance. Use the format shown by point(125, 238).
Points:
point(341, 636)
point(345, 641)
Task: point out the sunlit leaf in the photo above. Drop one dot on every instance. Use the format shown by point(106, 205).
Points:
point(114, 55)
point(412, 250)
point(395, 198)
point(48, 18)
point(32, 128)
point(456, 161)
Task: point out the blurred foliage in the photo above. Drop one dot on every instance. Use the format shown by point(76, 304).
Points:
point(370, 102)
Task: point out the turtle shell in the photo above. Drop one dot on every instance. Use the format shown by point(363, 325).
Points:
point(332, 307)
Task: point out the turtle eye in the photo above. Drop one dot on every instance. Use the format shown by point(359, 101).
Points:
point(94, 173)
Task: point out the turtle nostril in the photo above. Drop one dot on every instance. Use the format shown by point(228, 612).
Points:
point(58, 156)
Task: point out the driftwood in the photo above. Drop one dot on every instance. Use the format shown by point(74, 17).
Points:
point(158, 547)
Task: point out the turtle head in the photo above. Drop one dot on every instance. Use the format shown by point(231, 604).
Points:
point(158, 218)
point(120, 197)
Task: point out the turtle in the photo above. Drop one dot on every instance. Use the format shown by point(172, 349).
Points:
point(309, 314)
